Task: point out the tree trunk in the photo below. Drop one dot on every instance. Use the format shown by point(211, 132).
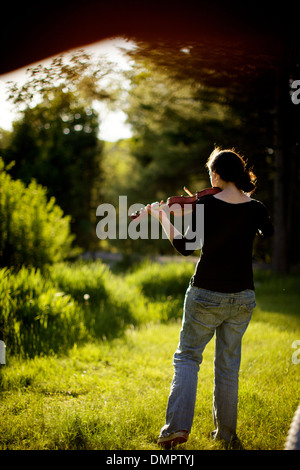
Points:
point(286, 162)
point(281, 165)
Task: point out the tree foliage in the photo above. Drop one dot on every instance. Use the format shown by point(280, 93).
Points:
point(174, 130)
point(33, 229)
point(238, 97)
point(80, 74)
point(56, 143)
point(56, 140)
point(192, 98)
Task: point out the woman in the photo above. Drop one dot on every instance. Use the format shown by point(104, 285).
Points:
point(220, 298)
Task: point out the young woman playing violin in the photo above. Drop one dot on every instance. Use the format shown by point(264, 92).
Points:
point(220, 298)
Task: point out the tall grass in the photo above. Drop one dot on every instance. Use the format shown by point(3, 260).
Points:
point(106, 382)
point(161, 280)
point(76, 302)
point(35, 317)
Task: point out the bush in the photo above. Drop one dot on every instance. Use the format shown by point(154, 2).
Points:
point(109, 304)
point(34, 317)
point(33, 231)
point(162, 280)
point(85, 281)
point(69, 303)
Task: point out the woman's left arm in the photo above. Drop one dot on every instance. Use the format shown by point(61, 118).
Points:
point(169, 229)
point(176, 238)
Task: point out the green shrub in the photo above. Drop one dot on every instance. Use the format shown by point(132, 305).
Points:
point(34, 317)
point(109, 304)
point(69, 303)
point(162, 280)
point(33, 231)
point(5, 303)
point(85, 281)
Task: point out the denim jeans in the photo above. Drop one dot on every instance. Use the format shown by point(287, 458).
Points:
point(205, 313)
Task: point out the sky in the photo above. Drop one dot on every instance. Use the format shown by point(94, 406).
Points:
point(112, 127)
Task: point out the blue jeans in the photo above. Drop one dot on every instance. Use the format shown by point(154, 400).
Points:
point(205, 313)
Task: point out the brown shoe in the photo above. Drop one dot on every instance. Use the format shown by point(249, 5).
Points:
point(173, 439)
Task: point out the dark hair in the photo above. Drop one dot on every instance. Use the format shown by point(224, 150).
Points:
point(231, 167)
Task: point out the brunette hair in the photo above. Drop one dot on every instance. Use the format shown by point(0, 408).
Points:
point(231, 167)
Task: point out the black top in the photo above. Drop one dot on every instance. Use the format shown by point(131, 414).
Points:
point(225, 264)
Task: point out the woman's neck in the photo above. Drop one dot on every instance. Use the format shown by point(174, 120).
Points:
point(230, 193)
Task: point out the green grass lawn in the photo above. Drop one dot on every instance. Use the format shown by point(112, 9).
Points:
point(112, 394)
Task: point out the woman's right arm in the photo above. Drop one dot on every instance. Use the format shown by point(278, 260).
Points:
point(265, 226)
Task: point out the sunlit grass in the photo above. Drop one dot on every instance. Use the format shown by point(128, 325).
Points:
point(112, 394)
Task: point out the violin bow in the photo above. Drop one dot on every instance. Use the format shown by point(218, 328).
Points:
point(187, 191)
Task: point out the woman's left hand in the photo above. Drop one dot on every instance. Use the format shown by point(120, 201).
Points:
point(155, 209)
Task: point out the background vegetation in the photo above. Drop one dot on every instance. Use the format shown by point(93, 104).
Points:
point(33, 230)
point(180, 99)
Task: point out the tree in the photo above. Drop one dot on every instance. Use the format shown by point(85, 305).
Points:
point(33, 230)
point(253, 85)
point(56, 139)
point(56, 143)
point(173, 131)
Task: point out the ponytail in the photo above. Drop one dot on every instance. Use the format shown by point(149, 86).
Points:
point(246, 182)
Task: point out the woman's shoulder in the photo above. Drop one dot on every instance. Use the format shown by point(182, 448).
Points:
point(212, 199)
point(258, 203)
point(205, 199)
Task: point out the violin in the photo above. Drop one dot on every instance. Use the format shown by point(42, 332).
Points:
point(184, 203)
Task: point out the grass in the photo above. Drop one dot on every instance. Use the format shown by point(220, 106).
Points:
point(111, 394)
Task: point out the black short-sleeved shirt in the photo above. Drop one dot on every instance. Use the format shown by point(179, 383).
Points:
point(225, 264)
